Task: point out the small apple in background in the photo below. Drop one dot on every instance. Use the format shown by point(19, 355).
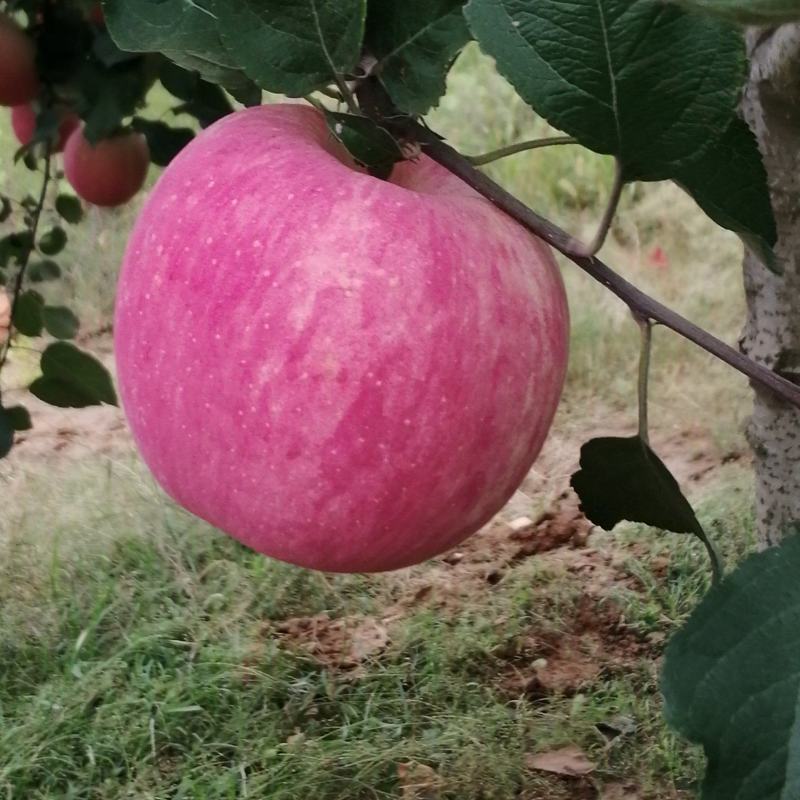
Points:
point(18, 80)
point(5, 316)
point(23, 123)
point(96, 15)
point(110, 172)
point(342, 372)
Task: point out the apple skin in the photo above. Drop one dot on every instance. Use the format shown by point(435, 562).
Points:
point(96, 15)
point(5, 316)
point(344, 373)
point(109, 173)
point(23, 123)
point(19, 82)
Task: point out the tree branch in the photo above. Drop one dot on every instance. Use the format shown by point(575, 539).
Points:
point(608, 215)
point(640, 304)
point(23, 266)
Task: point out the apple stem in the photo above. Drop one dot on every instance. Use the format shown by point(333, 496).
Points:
point(347, 94)
point(332, 93)
point(646, 328)
point(520, 147)
point(641, 304)
point(608, 215)
point(25, 260)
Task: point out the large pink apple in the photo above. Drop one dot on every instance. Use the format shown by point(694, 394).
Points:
point(342, 372)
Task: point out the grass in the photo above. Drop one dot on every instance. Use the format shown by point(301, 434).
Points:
point(139, 657)
point(144, 655)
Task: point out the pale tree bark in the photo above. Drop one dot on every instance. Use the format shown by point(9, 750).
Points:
point(771, 105)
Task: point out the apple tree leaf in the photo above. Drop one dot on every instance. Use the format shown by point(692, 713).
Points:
point(621, 478)
point(45, 270)
point(69, 208)
point(72, 378)
point(293, 47)
point(731, 680)
point(6, 433)
point(370, 145)
point(185, 32)
point(163, 141)
point(749, 12)
point(28, 313)
point(416, 43)
point(729, 183)
point(642, 80)
point(53, 242)
point(203, 100)
point(14, 246)
point(19, 417)
point(60, 322)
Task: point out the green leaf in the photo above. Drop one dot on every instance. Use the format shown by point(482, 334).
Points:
point(293, 47)
point(45, 270)
point(72, 378)
point(637, 79)
point(53, 242)
point(28, 318)
point(6, 433)
point(185, 32)
point(69, 208)
point(371, 146)
point(203, 100)
point(416, 43)
point(164, 142)
point(729, 183)
point(5, 208)
point(107, 53)
point(108, 96)
point(14, 246)
point(19, 417)
point(623, 479)
point(731, 680)
point(60, 322)
point(749, 12)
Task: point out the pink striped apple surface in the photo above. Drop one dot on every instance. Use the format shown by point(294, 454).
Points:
point(342, 372)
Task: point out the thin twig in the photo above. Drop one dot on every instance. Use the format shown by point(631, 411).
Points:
point(347, 94)
point(520, 147)
point(608, 215)
point(332, 93)
point(646, 328)
point(23, 264)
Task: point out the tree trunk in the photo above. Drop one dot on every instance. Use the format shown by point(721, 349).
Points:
point(771, 105)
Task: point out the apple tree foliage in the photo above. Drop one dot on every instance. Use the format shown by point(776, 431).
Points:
point(81, 70)
point(655, 85)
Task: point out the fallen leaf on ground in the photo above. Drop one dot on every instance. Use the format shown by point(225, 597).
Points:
point(569, 760)
point(369, 638)
point(418, 781)
point(616, 726)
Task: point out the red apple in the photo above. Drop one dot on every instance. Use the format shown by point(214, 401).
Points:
point(110, 172)
point(18, 80)
point(96, 15)
point(5, 315)
point(23, 123)
point(342, 372)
